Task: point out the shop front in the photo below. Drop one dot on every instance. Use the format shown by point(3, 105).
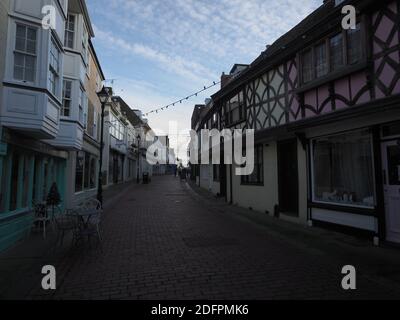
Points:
point(355, 180)
point(390, 148)
point(27, 171)
point(116, 167)
point(342, 180)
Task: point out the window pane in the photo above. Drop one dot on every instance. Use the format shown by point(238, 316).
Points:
point(336, 47)
point(92, 181)
point(307, 66)
point(343, 170)
point(18, 73)
point(21, 31)
point(26, 174)
point(31, 46)
point(354, 45)
point(87, 170)
point(14, 181)
point(321, 61)
point(393, 153)
point(80, 158)
point(20, 44)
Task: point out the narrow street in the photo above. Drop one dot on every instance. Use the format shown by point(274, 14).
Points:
point(162, 242)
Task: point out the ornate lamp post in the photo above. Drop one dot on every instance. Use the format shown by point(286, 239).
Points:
point(139, 158)
point(104, 96)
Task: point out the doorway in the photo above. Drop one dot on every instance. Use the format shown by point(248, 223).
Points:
point(288, 177)
point(391, 181)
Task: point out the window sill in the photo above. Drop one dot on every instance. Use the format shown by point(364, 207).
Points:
point(255, 184)
point(366, 211)
point(332, 76)
point(14, 215)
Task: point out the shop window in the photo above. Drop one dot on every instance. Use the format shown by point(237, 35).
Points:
point(343, 170)
point(25, 183)
point(14, 181)
point(85, 176)
point(257, 177)
point(4, 184)
point(87, 171)
point(80, 163)
point(92, 175)
point(216, 175)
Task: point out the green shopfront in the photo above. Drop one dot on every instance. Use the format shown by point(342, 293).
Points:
point(28, 168)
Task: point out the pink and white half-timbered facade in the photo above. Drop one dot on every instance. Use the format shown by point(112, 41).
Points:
point(325, 105)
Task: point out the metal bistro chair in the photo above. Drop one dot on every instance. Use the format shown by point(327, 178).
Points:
point(41, 216)
point(90, 212)
point(65, 223)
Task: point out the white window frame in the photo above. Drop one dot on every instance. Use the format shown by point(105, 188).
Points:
point(54, 68)
point(25, 53)
point(69, 31)
point(64, 98)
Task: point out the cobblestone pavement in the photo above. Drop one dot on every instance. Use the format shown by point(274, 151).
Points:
point(161, 242)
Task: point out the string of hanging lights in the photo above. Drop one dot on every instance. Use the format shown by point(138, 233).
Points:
point(183, 99)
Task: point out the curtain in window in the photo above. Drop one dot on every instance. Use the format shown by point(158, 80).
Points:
point(343, 169)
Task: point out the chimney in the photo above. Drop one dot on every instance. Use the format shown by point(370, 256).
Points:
point(225, 79)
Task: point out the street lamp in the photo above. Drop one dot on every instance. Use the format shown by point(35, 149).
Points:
point(104, 96)
point(139, 158)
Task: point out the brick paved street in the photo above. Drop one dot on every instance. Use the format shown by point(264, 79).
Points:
point(163, 241)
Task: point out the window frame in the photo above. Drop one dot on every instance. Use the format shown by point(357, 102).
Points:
point(244, 180)
point(345, 48)
point(25, 53)
point(228, 112)
point(315, 202)
point(64, 98)
point(68, 31)
point(55, 84)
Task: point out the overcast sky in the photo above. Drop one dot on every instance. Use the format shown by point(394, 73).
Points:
point(163, 50)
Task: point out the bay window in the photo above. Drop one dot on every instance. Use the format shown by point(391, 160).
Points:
point(343, 170)
point(25, 53)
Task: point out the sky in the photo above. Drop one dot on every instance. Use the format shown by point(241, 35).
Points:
point(160, 51)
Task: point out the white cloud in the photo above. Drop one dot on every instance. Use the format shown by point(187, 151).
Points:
point(186, 42)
